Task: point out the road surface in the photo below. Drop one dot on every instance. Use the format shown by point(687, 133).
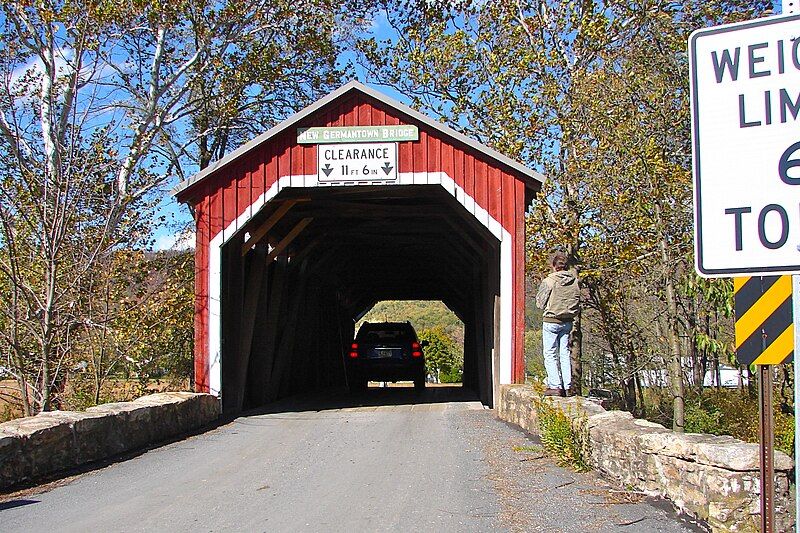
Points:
point(389, 460)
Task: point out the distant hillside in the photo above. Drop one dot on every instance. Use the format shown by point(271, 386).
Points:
point(422, 315)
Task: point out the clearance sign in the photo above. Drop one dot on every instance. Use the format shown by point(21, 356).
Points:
point(745, 82)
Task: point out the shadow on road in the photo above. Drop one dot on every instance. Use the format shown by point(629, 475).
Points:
point(16, 503)
point(372, 397)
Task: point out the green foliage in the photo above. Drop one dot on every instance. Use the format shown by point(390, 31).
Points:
point(534, 360)
point(153, 330)
point(89, 141)
point(727, 412)
point(443, 358)
point(532, 449)
point(423, 314)
point(594, 95)
point(699, 419)
point(561, 437)
point(140, 326)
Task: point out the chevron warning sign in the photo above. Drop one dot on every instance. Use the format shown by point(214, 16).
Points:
point(764, 329)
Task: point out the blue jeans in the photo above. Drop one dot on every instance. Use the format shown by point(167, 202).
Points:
point(555, 347)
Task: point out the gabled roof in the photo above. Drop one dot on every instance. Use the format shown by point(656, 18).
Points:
point(338, 93)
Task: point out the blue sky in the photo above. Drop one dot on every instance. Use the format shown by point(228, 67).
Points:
point(177, 233)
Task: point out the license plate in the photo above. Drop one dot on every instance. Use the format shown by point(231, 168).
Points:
point(384, 352)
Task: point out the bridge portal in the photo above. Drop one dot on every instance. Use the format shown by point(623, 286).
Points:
point(355, 199)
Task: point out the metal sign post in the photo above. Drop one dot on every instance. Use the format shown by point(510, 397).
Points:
point(764, 337)
point(766, 459)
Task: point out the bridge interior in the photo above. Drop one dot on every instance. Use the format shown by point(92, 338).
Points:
point(314, 260)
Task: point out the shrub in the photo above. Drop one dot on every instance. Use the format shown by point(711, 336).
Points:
point(725, 412)
point(699, 419)
point(443, 357)
point(561, 437)
point(452, 375)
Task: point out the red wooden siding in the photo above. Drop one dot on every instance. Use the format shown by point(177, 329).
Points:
point(201, 295)
point(230, 192)
point(518, 370)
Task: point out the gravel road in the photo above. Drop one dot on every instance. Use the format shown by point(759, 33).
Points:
point(389, 460)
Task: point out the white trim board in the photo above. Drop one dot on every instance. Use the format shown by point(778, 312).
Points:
point(408, 178)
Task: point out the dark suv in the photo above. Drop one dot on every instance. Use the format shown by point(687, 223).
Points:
point(386, 351)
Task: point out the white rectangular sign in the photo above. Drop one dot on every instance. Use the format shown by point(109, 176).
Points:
point(745, 81)
point(357, 162)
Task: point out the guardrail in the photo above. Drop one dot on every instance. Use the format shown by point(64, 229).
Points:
point(41, 445)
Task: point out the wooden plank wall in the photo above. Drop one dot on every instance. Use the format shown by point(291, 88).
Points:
point(223, 196)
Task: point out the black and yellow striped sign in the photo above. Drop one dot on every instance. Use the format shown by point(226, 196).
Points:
point(763, 314)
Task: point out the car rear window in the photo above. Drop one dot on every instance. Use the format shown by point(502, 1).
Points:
point(375, 333)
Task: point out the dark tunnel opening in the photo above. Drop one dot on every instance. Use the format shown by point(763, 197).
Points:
point(301, 272)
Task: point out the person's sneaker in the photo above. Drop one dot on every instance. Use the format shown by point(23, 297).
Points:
point(553, 392)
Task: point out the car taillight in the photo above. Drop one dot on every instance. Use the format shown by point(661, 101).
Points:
point(416, 350)
point(354, 350)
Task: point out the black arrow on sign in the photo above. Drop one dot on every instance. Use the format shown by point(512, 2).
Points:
point(387, 168)
point(327, 169)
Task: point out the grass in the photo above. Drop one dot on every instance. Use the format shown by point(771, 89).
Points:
point(532, 449)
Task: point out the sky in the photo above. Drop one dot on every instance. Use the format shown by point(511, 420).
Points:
point(177, 233)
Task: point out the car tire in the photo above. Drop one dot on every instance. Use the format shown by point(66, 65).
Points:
point(419, 384)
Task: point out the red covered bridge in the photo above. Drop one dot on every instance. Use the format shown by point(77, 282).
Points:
point(353, 200)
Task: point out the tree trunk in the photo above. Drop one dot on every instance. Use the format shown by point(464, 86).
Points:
point(576, 353)
point(27, 409)
point(674, 363)
point(640, 408)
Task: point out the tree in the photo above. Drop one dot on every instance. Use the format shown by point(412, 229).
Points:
point(101, 105)
point(593, 94)
point(138, 320)
point(443, 358)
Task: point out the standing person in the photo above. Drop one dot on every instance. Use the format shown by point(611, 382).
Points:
point(559, 298)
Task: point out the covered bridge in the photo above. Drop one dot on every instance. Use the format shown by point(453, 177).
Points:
point(354, 200)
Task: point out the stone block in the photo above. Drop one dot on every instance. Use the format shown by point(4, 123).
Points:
point(130, 424)
point(95, 437)
point(198, 410)
point(47, 442)
point(181, 412)
point(734, 515)
point(163, 408)
point(12, 469)
point(733, 454)
point(607, 418)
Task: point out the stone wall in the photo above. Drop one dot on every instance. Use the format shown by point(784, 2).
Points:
point(713, 478)
point(49, 442)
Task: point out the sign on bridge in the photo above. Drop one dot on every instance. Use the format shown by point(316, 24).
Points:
point(344, 134)
point(745, 81)
point(357, 162)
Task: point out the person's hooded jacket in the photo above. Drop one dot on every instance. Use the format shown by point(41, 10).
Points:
point(559, 297)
